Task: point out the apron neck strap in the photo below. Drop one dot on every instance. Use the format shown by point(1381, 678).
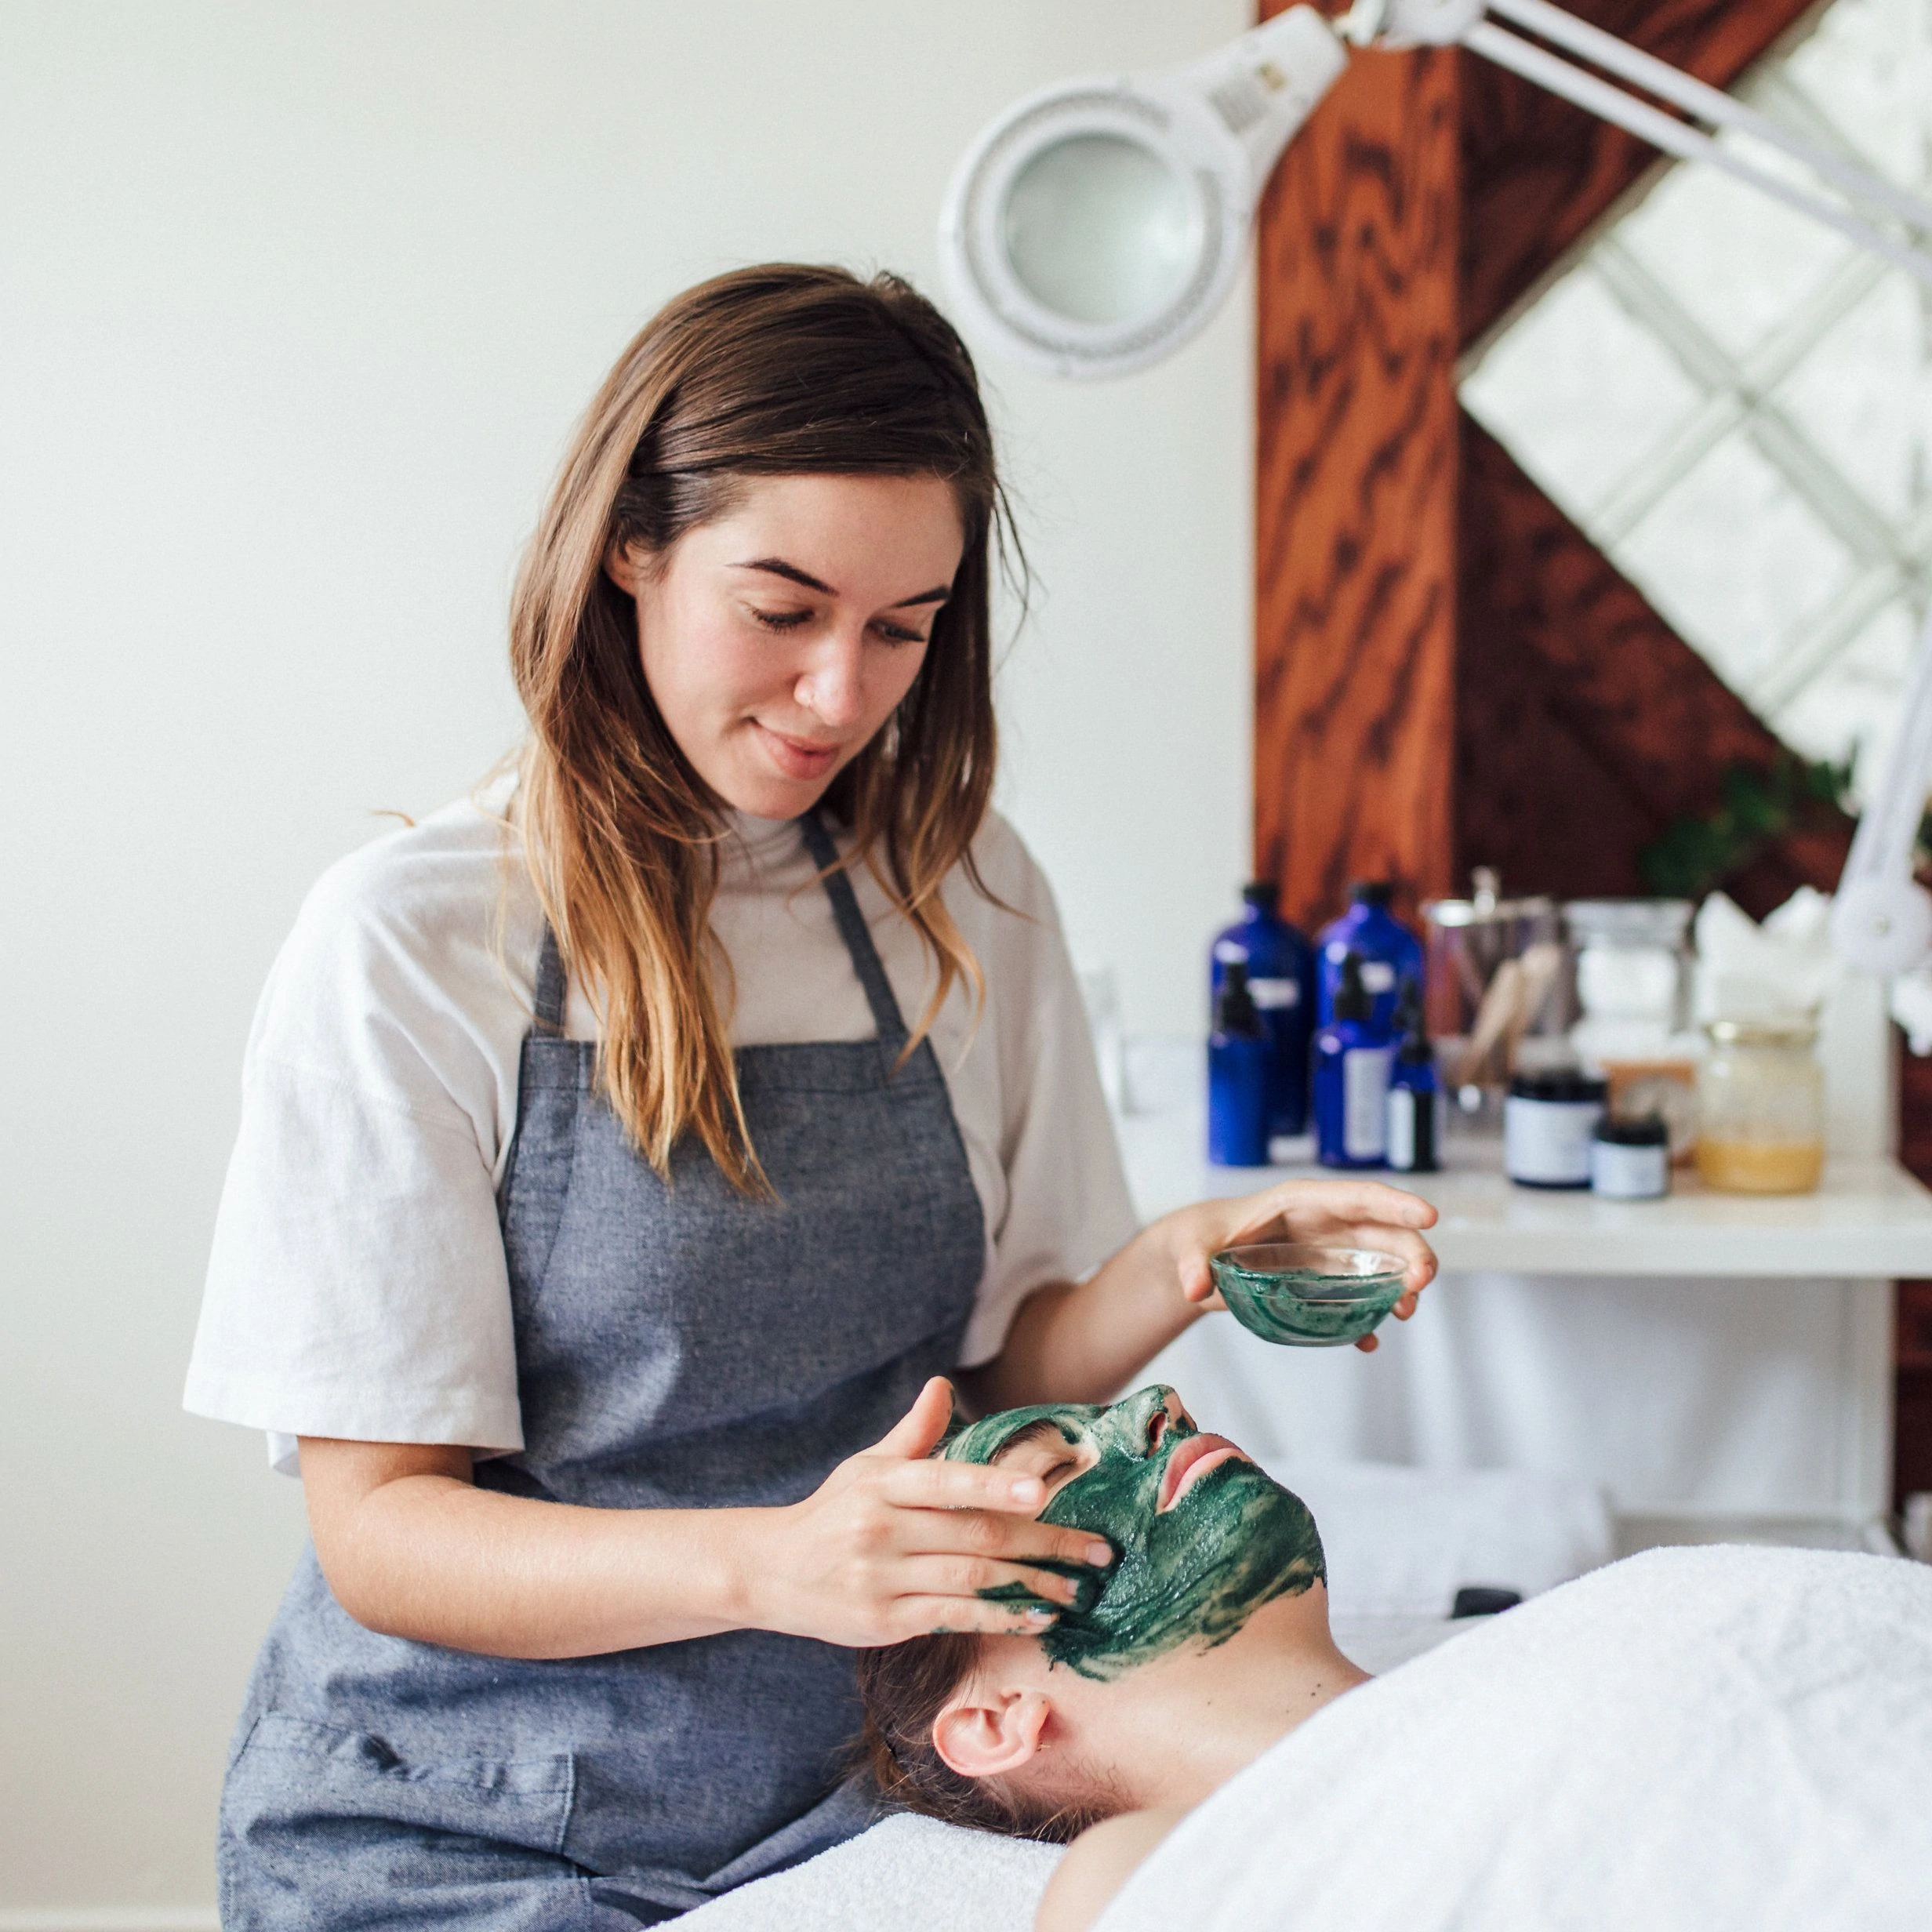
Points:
point(853, 930)
point(551, 987)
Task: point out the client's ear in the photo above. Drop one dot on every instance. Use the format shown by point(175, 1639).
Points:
point(984, 1731)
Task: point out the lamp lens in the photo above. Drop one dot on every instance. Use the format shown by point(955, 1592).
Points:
point(1100, 230)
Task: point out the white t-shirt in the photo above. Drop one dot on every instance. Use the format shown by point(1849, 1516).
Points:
point(358, 1286)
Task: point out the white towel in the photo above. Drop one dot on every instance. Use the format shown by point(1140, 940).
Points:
point(1691, 1740)
point(905, 1875)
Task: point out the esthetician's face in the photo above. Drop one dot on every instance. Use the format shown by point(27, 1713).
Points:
point(1204, 1538)
point(779, 639)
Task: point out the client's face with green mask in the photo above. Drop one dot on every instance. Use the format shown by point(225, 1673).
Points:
point(1203, 1538)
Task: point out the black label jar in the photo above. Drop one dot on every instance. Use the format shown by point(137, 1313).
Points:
point(1549, 1122)
point(1630, 1159)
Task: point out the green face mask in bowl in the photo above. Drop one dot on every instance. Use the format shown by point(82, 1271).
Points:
point(1308, 1298)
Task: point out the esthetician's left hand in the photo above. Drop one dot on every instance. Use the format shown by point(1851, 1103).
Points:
point(1329, 1213)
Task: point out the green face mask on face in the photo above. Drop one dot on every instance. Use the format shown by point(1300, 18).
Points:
point(1230, 1541)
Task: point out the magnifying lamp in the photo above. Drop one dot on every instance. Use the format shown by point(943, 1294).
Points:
point(1096, 225)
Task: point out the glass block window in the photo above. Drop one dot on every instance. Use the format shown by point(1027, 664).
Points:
point(1736, 403)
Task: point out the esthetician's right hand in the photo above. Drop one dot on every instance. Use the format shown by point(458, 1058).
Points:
point(893, 1545)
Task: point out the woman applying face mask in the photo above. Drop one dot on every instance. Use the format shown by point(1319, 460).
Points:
point(1688, 1738)
point(623, 1150)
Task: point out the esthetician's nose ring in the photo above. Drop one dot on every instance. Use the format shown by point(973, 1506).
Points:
point(1097, 224)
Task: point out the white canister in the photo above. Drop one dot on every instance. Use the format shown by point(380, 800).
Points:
point(1548, 1123)
point(1630, 1160)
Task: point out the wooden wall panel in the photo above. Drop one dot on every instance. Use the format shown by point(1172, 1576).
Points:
point(1512, 740)
point(1628, 681)
point(1355, 470)
point(1585, 724)
point(1375, 756)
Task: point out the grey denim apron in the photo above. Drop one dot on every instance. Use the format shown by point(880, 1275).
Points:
point(677, 1346)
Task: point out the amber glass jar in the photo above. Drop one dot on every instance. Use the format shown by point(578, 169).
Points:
point(1761, 1108)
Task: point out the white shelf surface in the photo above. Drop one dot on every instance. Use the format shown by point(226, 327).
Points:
point(1869, 1220)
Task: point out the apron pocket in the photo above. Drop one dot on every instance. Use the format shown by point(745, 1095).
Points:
point(295, 1776)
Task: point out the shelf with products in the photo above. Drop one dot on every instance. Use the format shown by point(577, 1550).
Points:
point(1868, 1219)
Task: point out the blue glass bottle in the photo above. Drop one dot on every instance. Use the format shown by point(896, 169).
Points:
point(1391, 955)
point(1239, 1050)
point(1351, 1063)
point(1280, 965)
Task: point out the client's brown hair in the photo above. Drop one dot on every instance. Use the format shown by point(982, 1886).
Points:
point(905, 1686)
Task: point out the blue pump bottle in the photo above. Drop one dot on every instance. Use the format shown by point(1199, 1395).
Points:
point(1352, 1060)
point(1280, 965)
point(1239, 1051)
point(1391, 955)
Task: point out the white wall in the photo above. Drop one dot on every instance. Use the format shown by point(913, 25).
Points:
point(297, 304)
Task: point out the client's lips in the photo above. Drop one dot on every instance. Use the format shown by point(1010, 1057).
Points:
point(1190, 1462)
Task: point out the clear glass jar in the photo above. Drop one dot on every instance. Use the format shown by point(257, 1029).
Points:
point(1496, 992)
point(1632, 960)
point(1760, 1108)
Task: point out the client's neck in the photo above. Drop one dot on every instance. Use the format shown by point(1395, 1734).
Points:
point(1190, 1720)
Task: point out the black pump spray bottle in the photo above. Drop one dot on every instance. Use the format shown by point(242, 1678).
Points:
point(1414, 1097)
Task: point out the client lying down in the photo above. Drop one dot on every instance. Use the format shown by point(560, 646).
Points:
point(1712, 1728)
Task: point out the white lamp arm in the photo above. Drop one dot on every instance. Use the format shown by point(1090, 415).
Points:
point(1712, 104)
point(1443, 22)
point(1689, 143)
point(1881, 919)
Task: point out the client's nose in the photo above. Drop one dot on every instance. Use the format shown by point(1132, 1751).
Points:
point(1151, 1415)
point(1169, 1419)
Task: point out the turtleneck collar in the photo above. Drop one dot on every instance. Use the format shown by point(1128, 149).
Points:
point(759, 843)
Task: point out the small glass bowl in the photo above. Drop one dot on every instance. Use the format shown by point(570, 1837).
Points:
point(1308, 1298)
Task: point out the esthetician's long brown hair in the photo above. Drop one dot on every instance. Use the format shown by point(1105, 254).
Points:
point(781, 370)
